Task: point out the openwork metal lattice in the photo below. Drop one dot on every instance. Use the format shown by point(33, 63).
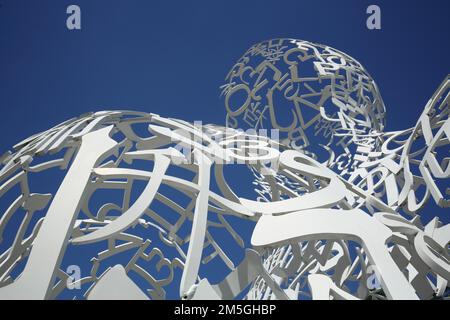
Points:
point(143, 204)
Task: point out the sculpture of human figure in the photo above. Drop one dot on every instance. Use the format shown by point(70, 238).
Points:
point(336, 115)
point(334, 214)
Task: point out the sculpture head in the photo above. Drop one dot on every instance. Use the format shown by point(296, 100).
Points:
point(303, 89)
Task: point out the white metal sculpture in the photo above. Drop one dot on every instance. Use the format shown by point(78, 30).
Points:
point(346, 225)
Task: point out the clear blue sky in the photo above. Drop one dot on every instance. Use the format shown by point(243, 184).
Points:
point(169, 57)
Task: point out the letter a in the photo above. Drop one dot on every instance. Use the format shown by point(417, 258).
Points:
point(74, 20)
point(374, 20)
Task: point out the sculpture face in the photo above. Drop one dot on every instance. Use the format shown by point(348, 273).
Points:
point(319, 90)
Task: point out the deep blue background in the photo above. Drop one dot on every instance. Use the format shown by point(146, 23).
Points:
point(170, 57)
